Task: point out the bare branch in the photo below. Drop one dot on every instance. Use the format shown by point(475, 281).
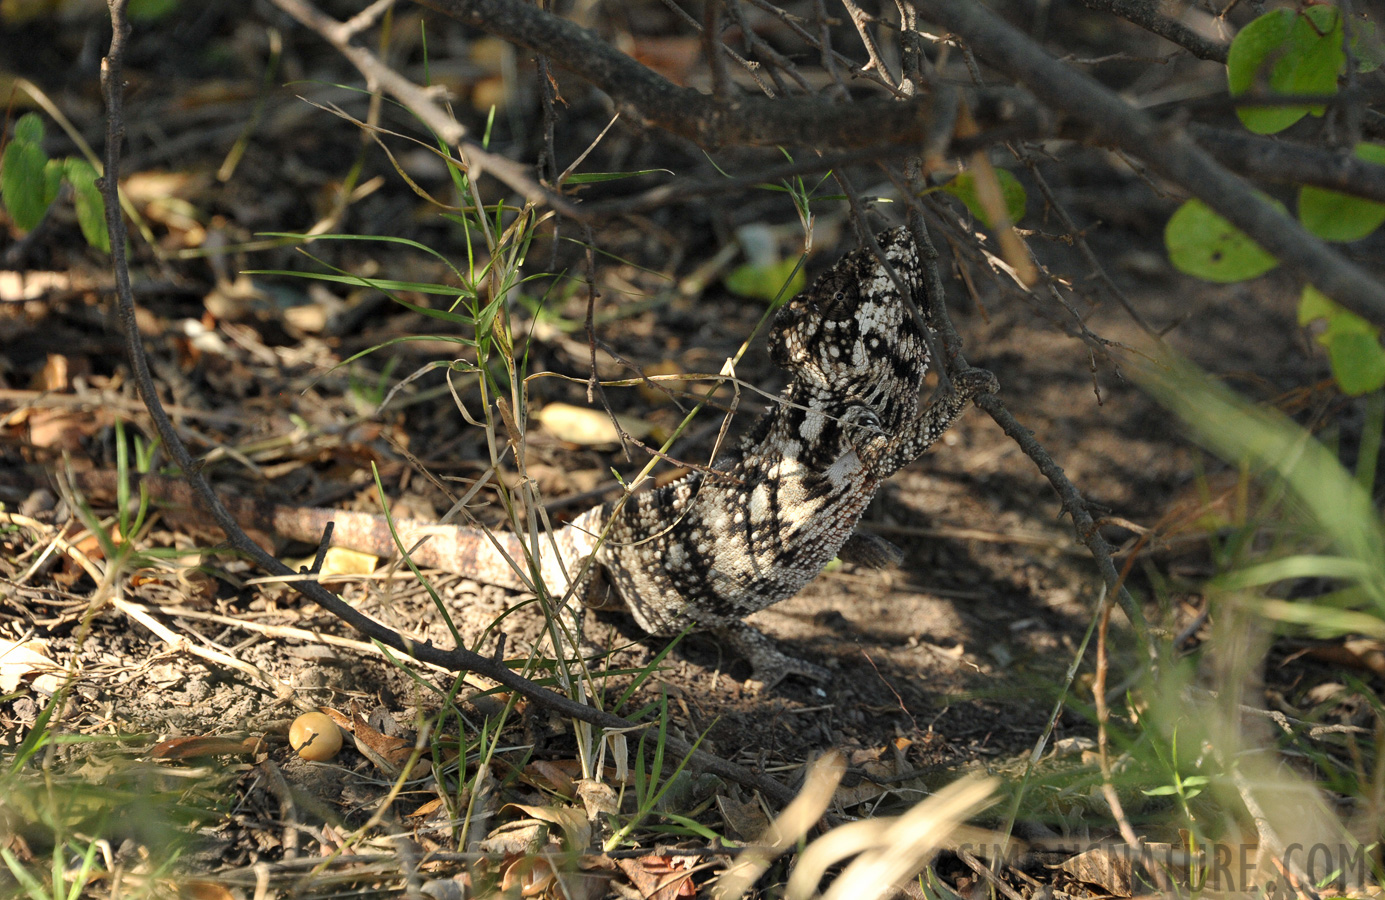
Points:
point(1287, 162)
point(1145, 13)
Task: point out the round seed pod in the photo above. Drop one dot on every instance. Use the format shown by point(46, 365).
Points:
point(315, 736)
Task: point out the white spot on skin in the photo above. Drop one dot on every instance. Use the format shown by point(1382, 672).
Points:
point(811, 428)
point(845, 470)
point(759, 503)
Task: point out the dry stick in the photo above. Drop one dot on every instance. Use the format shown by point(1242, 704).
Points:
point(1146, 15)
point(1293, 163)
point(985, 872)
point(1166, 148)
point(456, 660)
point(793, 24)
point(751, 67)
point(862, 20)
point(1079, 240)
point(1068, 494)
point(689, 188)
point(418, 100)
point(754, 121)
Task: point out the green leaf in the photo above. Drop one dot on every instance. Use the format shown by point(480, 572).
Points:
point(29, 128)
point(597, 177)
point(52, 180)
point(1358, 363)
point(963, 187)
point(1353, 344)
point(151, 10)
point(784, 278)
point(1285, 52)
point(24, 187)
point(1202, 243)
point(1343, 514)
point(91, 208)
point(1314, 304)
point(1335, 216)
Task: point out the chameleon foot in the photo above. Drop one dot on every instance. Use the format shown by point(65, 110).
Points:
point(768, 664)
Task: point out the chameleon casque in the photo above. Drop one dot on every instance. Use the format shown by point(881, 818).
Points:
point(713, 547)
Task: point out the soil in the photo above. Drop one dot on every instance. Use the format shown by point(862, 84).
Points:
point(951, 659)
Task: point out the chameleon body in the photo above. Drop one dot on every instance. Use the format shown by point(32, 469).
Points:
point(713, 547)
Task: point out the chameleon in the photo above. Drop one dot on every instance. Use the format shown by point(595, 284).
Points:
point(707, 550)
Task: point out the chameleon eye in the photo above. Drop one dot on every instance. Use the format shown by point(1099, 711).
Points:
point(839, 305)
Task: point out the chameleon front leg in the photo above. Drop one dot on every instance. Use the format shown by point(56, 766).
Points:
point(884, 458)
point(870, 550)
point(768, 664)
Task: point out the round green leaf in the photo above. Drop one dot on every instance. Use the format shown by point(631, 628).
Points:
point(1358, 362)
point(1285, 52)
point(23, 186)
point(29, 127)
point(1353, 344)
point(1202, 243)
point(767, 282)
point(963, 187)
point(1314, 304)
point(1335, 216)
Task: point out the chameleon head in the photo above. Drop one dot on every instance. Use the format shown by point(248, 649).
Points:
point(853, 326)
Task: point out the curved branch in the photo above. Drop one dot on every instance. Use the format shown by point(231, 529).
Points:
point(1167, 149)
point(1145, 14)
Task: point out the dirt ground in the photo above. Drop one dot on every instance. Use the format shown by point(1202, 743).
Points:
point(955, 656)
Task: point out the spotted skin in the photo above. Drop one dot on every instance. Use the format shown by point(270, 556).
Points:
point(709, 549)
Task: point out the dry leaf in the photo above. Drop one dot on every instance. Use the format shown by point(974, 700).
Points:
point(194, 746)
point(199, 889)
point(746, 820)
point(659, 877)
point(588, 427)
point(389, 754)
point(576, 829)
point(341, 561)
point(1103, 867)
point(531, 874)
point(527, 837)
point(554, 775)
point(597, 797)
point(20, 660)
